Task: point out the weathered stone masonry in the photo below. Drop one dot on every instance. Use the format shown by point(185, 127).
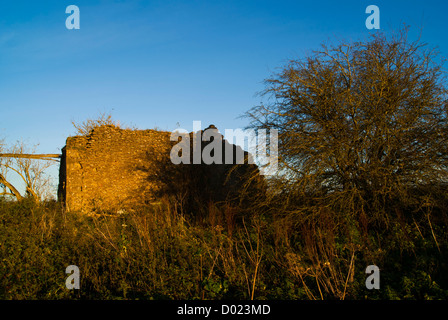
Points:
point(114, 169)
point(101, 170)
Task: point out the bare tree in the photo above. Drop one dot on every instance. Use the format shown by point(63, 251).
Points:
point(31, 173)
point(6, 188)
point(364, 119)
point(84, 128)
point(363, 147)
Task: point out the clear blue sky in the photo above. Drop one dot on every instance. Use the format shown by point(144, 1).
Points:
point(159, 63)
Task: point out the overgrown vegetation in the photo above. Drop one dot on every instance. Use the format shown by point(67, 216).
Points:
point(156, 253)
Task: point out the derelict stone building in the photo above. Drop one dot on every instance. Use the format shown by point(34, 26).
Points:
point(114, 169)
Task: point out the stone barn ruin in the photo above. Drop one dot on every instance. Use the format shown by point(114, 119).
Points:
point(114, 169)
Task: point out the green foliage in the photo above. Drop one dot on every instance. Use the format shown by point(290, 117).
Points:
point(156, 253)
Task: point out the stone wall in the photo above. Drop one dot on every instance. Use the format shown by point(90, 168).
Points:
point(103, 170)
point(114, 169)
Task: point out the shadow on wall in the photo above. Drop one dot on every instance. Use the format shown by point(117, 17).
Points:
point(197, 187)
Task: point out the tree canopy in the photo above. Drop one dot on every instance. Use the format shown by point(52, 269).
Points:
point(368, 118)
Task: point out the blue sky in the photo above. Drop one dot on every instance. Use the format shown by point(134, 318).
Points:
point(162, 63)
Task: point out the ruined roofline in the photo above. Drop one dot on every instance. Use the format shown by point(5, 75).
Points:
point(114, 128)
point(108, 130)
